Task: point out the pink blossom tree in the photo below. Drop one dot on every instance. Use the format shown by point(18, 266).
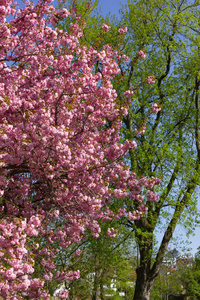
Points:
point(59, 159)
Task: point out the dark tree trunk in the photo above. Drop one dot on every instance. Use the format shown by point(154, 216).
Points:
point(101, 292)
point(143, 285)
point(95, 292)
point(94, 295)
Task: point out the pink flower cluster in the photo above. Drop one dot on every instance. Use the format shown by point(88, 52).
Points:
point(16, 266)
point(142, 54)
point(135, 215)
point(111, 232)
point(155, 108)
point(128, 93)
point(151, 196)
point(62, 294)
point(78, 253)
point(151, 80)
point(141, 131)
point(122, 30)
point(106, 27)
point(59, 159)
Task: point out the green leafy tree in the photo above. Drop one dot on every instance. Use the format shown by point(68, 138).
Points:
point(106, 265)
point(170, 146)
point(169, 32)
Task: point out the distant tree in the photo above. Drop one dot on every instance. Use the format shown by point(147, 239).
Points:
point(169, 281)
point(104, 263)
point(191, 278)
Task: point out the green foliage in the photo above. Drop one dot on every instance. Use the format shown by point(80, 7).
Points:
point(192, 284)
point(178, 275)
point(169, 149)
point(104, 262)
point(169, 281)
point(191, 279)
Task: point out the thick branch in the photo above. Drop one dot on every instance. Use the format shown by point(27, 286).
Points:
point(171, 227)
point(197, 135)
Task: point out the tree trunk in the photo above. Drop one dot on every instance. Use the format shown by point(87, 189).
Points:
point(101, 292)
point(143, 285)
point(95, 287)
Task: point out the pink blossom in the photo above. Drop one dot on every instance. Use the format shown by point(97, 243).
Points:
point(78, 253)
point(128, 93)
point(25, 284)
point(106, 27)
point(10, 274)
point(111, 232)
point(62, 294)
point(151, 196)
point(141, 131)
point(35, 220)
point(95, 235)
point(36, 283)
point(134, 216)
point(122, 30)
point(64, 13)
point(155, 108)
point(31, 231)
point(139, 198)
point(142, 54)
point(151, 80)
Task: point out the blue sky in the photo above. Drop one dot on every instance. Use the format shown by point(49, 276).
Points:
point(112, 6)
